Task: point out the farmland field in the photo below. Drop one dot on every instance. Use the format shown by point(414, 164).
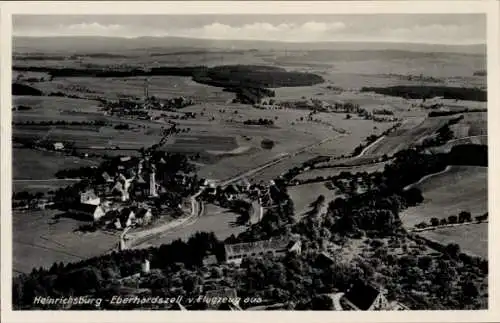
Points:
point(160, 86)
point(41, 241)
point(472, 239)
point(28, 164)
point(406, 136)
point(215, 219)
point(469, 193)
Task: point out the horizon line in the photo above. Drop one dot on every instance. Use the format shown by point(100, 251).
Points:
point(257, 40)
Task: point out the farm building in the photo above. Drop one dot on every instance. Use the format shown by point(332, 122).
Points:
point(365, 297)
point(89, 197)
point(276, 247)
point(58, 146)
point(88, 212)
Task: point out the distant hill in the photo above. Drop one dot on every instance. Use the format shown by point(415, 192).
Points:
point(115, 44)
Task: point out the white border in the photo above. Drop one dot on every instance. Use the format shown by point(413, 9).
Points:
point(490, 7)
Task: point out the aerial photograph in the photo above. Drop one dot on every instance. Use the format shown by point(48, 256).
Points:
point(249, 162)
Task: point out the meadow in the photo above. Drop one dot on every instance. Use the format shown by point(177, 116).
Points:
point(304, 195)
point(40, 240)
point(472, 239)
point(28, 164)
point(458, 188)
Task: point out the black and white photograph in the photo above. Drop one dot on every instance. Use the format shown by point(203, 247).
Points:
point(249, 162)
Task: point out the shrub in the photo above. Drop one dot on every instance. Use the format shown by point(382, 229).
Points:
point(267, 144)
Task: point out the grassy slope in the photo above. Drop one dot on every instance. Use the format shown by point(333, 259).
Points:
point(460, 188)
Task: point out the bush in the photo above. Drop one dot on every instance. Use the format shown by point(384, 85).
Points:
point(434, 222)
point(464, 216)
point(452, 219)
point(267, 144)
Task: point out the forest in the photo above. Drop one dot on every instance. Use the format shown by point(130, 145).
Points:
point(423, 92)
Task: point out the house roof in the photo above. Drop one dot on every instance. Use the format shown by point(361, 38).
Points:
point(362, 295)
point(141, 212)
point(210, 260)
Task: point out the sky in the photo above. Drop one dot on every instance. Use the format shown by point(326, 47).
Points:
point(452, 29)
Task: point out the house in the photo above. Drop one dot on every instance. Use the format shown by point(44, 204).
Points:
point(58, 146)
point(88, 212)
point(127, 217)
point(89, 197)
point(210, 260)
point(143, 216)
point(119, 189)
point(107, 178)
point(365, 297)
point(275, 247)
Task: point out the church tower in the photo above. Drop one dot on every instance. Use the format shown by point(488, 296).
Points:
point(152, 182)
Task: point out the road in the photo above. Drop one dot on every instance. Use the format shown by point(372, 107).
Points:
point(135, 240)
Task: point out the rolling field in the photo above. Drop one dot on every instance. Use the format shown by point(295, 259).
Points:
point(40, 241)
point(407, 135)
point(304, 195)
point(475, 140)
point(163, 87)
point(28, 164)
point(458, 188)
point(472, 239)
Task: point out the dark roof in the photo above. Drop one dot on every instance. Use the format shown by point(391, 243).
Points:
point(141, 212)
point(362, 295)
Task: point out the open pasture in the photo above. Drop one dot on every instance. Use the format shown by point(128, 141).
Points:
point(472, 238)
point(40, 240)
point(203, 143)
point(304, 195)
point(215, 219)
point(90, 138)
point(28, 164)
point(456, 189)
point(56, 104)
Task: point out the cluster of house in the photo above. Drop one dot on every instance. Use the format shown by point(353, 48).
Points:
point(239, 190)
point(116, 205)
point(119, 216)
